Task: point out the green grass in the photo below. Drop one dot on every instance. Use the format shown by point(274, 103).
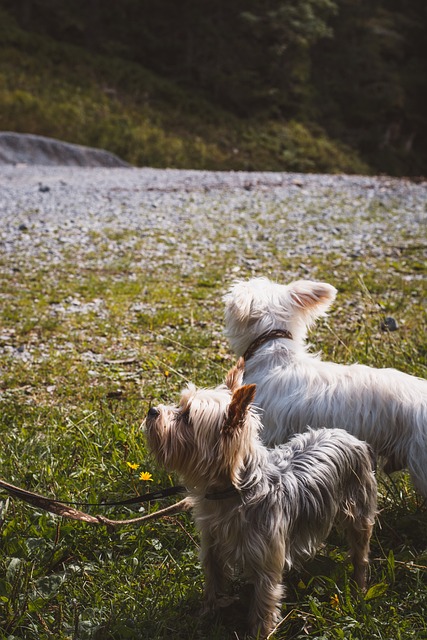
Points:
point(70, 423)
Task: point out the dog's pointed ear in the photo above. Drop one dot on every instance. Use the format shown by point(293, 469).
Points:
point(312, 297)
point(234, 377)
point(239, 405)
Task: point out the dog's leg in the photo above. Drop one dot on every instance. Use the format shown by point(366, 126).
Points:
point(417, 462)
point(264, 565)
point(392, 464)
point(213, 571)
point(265, 609)
point(358, 536)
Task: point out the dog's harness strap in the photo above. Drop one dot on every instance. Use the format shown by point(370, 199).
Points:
point(231, 492)
point(263, 338)
point(146, 497)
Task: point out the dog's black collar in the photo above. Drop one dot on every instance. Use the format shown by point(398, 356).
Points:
point(263, 338)
point(231, 492)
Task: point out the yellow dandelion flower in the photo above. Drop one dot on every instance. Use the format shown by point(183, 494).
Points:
point(335, 602)
point(145, 475)
point(166, 374)
point(132, 465)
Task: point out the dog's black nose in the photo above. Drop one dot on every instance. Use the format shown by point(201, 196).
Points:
point(153, 412)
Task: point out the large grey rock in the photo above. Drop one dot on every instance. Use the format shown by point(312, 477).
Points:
point(26, 148)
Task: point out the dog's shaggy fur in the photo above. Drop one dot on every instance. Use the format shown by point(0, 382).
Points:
point(263, 510)
point(296, 389)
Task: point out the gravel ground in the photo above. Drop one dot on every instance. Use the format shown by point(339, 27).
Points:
point(164, 216)
point(66, 223)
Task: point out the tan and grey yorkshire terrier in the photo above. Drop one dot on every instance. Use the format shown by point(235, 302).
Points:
point(263, 510)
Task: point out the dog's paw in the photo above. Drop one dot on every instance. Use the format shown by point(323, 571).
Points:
point(209, 607)
point(226, 601)
point(221, 601)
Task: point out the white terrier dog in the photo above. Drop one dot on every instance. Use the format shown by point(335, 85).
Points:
point(266, 323)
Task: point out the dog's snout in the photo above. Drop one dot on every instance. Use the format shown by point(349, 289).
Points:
point(153, 412)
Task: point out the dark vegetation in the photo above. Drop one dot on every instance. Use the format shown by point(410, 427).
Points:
point(312, 85)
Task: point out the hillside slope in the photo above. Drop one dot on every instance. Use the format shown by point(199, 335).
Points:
point(62, 91)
